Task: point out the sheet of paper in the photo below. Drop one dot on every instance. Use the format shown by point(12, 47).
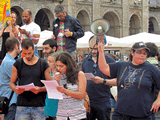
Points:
point(114, 91)
point(89, 76)
point(26, 87)
point(52, 91)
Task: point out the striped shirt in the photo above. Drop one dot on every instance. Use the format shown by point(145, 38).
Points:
point(69, 106)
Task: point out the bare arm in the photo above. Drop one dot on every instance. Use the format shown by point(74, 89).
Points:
point(81, 88)
point(13, 81)
point(1, 32)
point(35, 37)
point(156, 104)
point(110, 82)
point(103, 66)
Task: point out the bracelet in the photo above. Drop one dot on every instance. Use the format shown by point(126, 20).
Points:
point(32, 39)
point(71, 33)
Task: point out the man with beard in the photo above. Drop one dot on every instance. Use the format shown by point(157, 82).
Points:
point(99, 94)
point(49, 46)
point(12, 46)
point(30, 69)
point(30, 30)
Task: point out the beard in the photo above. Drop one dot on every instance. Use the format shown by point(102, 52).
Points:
point(94, 54)
point(30, 58)
point(27, 21)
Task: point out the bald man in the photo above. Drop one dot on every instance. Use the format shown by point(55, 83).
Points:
point(29, 30)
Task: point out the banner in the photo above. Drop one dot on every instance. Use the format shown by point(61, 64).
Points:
point(4, 11)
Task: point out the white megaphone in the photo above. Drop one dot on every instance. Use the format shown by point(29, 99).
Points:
point(99, 27)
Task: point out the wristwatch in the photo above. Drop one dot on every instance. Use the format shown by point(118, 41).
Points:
point(104, 82)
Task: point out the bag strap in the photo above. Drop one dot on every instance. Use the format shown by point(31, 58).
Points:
point(10, 97)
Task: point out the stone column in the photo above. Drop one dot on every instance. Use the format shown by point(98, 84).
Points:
point(70, 6)
point(145, 16)
point(125, 23)
point(96, 8)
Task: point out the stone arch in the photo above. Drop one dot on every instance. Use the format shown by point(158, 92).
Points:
point(44, 18)
point(115, 23)
point(134, 24)
point(82, 16)
point(18, 10)
point(153, 25)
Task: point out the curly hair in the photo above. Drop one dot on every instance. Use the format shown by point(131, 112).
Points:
point(72, 67)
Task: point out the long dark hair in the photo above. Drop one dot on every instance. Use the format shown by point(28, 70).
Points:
point(72, 66)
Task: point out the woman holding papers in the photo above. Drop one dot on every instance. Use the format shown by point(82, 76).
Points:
point(9, 30)
point(51, 105)
point(136, 82)
point(73, 88)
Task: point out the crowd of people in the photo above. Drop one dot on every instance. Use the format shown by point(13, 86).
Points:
point(137, 79)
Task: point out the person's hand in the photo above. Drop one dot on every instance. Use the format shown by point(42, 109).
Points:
point(155, 106)
point(60, 89)
point(19, 90)
point(101, 37)
point(97, 79)
point(35, 90)
point(53, 37)
point(67, 33)
point(23, 31)
point(57, 77)
point(9, 22)
point(101, 46)
point(15, 31)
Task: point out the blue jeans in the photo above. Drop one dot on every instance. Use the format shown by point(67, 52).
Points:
point(73, 54)
point(100, 111)
point(30, 113)
point(11, 113)
point(118, 116)
point(36, 52)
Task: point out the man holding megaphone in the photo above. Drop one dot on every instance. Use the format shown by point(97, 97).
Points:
point(99, 94)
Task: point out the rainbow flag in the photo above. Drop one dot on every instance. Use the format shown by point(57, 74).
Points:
point(6, 14)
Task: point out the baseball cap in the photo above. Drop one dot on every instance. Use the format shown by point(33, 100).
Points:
point(139, 46)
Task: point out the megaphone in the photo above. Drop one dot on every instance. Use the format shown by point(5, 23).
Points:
point(99, 26)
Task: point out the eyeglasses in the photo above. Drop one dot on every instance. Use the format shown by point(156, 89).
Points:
point(60, 16)
point(94, 68)
point(140, 52)
point(93, 48)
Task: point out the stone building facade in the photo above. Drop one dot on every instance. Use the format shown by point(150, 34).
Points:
point(126, 17)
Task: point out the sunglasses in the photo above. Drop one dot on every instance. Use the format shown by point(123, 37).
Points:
point(94, 68)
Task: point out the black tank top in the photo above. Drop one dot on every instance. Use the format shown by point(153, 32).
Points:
point(31, 74)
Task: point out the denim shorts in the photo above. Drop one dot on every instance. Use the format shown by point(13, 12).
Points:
point(30, 113)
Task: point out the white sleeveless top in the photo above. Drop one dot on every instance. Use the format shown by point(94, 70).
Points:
point(70, 107)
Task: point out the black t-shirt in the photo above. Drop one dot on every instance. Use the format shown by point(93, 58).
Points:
point(136, 84)
point(31, 74)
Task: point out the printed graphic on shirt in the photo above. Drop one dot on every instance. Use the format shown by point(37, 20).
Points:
point(131, 78)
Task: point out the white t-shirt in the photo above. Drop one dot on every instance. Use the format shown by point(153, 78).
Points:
point(31, 28)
